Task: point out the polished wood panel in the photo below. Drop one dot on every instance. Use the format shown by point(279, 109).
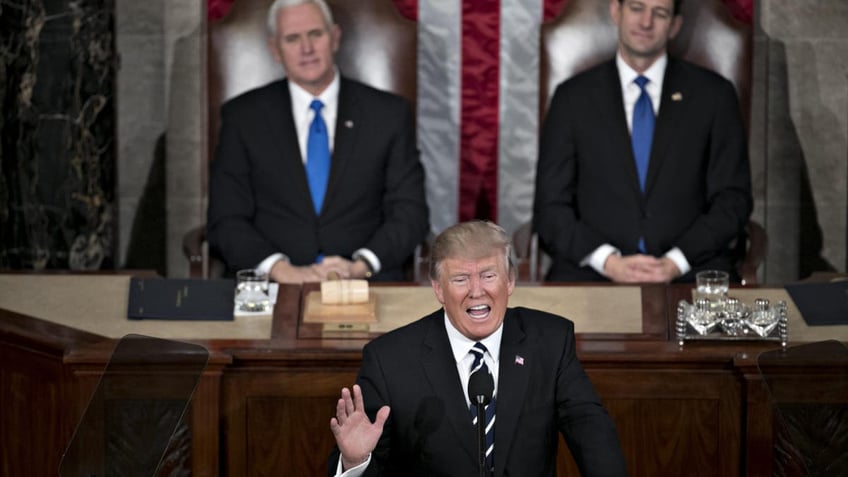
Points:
point(35, 391)
point(262, 407)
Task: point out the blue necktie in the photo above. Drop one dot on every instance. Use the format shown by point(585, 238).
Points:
point(643, 130)
point(317, 157)
point(479, 366)
point(641, 136)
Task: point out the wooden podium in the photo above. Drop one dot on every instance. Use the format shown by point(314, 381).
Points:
point(263, 403)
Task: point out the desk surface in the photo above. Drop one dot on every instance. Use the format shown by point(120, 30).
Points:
point(272, 382)
point(98, 304)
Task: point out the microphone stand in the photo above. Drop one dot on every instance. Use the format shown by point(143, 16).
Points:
point(481, 387)
point(481, 433)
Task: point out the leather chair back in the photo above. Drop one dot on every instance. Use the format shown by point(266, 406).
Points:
point(583, 35)
point(379, 47)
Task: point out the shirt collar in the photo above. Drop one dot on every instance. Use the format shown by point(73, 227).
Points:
point(460, 344)
point(654, 73)
point(301, 99)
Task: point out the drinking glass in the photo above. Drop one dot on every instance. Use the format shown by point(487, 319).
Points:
point(712, 284)
point(252, 291)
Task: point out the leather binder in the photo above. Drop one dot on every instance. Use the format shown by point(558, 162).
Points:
point(180, 299)
point(821, 304)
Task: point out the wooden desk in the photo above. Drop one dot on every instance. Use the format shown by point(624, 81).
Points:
point(263, 405)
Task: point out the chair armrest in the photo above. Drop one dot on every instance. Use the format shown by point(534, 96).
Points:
point(755, 253)
point(194, 250)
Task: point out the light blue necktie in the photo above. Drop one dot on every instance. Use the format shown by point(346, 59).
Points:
point(317, 157)
point(479, 366)
point(641, 136)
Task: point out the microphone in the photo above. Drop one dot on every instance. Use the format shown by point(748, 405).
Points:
point(481, 386)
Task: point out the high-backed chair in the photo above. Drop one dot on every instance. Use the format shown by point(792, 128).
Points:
point(378, 47)
point(525, 246)
point(583, 35)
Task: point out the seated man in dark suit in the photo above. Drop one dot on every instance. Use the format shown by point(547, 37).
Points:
point(643, 172)
point(315, 173)
point(413, 381)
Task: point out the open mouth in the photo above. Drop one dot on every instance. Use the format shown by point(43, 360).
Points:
point(479, 312)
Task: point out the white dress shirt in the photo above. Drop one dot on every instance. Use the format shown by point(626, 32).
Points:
point(461, 348)
point(630, 92)
point(303, 115)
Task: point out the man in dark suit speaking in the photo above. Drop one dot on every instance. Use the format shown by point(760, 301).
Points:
point(414, 380)
point(643, 172)
point(315, 173)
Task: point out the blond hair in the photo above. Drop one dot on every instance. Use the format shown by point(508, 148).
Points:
point(473, 240)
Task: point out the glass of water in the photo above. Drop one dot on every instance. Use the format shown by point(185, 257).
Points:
point(252, 291)
point(712, 284)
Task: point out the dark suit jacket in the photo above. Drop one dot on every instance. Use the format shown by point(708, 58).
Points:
point(429, 431)
point(698, 188)
point(259, 201)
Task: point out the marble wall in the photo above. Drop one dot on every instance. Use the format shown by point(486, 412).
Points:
point(799, 139)
point(799, 135)
point(161, 130)
point(57, 155)
point(802, 186)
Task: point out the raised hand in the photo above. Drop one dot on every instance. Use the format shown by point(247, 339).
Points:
point(356, 436)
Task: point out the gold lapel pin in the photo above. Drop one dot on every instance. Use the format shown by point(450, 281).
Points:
point(677, 96)
point(348, 124)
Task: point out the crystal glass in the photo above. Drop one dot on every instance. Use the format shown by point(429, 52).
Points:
point(712, 284)
point(731, 317)
point(252, 291)
point(762, 319)
point(701, 317)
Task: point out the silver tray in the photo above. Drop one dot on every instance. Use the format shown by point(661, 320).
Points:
point(744, 332)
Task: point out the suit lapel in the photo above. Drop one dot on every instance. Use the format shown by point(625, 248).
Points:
point(516, 360)
point(669, 117)
point(611, 101)
point(283, 133)
point(440, 368)
point(347, 118)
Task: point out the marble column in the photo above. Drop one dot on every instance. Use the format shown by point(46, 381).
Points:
point(162, 130)
point(806, 186)
point(57, 155)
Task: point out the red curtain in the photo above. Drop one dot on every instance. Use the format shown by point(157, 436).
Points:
point(743, 10)
point(478, 161)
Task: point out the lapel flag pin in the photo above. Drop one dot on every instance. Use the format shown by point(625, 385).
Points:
point(348, 124)
point(519, 360)
point(677, 96)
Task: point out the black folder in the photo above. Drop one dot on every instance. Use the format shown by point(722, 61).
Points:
point(821, 304)
point(180, 299)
